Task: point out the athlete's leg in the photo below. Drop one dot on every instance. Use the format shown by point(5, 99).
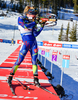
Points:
point(34, 54)
point(24, 49)
point(22, 53)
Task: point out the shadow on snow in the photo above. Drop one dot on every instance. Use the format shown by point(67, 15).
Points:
point(68, 83)
point(8, 27)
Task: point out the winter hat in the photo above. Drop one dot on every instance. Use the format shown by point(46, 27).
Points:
point(30, 10)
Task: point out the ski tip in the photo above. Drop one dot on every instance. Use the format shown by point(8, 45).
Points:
point(13, 93)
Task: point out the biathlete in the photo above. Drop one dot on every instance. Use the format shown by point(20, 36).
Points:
point(29, 32)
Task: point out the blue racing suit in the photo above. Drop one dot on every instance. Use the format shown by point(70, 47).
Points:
point(29, 32)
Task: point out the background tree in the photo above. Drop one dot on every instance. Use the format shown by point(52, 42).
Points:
point(20, 8)
point(67, 33)
point(12, 1)
point(55, 6)
point(75, 6)
point(13, 8)
point(73, 33)
point(61, 33)
point(29, 2)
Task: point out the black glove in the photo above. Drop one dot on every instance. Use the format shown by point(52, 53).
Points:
point(37, 20)
point(42, 25)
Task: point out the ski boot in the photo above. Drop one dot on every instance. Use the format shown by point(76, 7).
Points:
point(36, 81)
point(9, 81)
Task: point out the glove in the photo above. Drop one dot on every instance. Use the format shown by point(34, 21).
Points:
point(42, 25)
point(37, 20)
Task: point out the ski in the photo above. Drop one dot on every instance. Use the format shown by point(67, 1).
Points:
point(25, 87)
point(11, 89)
point(43, 89)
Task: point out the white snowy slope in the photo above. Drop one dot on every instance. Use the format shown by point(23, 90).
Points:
point(70, 76)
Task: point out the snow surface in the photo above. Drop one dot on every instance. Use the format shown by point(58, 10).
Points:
point(70, 76)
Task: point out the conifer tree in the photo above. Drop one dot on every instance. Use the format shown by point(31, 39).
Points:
point(13, 9)
point(60, 35)
point(20, 9)
point(12, 1)
point(75, 5)
point(67, 32)
point(73, 33)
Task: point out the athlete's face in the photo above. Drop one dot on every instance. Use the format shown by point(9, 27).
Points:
point(31, 17)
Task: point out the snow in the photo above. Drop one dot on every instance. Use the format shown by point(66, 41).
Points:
point(70, 76)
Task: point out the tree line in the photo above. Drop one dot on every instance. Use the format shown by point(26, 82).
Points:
point(54, 5)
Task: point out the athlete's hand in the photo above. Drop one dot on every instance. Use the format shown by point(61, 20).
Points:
point(42, 25)
point(37, 20)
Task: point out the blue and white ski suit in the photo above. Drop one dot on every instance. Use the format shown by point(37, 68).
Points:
point(29, 32)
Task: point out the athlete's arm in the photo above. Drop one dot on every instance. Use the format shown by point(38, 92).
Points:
point(26, 23)
point(36, 31)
